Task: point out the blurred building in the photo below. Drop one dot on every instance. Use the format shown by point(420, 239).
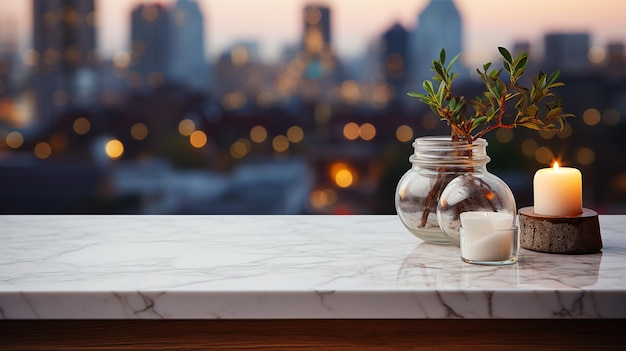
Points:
point(149, 46)
point(567, 52)
point(167, 46)
point(616, 57)
point(314, 68)
point(317, 34)
point(187, 63)
point(10, 67)
point(394, 58)
point(64, 42)
point(438, 26)
point(241, 79)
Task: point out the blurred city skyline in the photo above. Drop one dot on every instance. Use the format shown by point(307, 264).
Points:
point(115, 107)
point(275, 24)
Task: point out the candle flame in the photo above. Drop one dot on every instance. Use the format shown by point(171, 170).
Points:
point(556, 165)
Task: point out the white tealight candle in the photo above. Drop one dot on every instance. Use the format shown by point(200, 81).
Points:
point(558, 191)
point(487, 236)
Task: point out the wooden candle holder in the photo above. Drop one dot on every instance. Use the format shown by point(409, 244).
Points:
point(564, 235)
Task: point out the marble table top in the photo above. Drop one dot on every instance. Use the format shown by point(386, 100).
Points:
point(242, 267)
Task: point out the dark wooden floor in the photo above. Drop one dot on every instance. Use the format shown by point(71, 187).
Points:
point(492, 334)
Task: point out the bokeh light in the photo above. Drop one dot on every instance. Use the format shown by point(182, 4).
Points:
point(14, 139)
point(351, 131)
point(280, 143)
point(611, 117)
point(429, 121)
point(342, 175)
point(591, 116)
point(186, 127)
point(322, 198)
point(404, 133)
point(258, 134)
point(350, 91)
point(198, 139)
point(529, 147)
point(585, 156)
point(544, 155)
point(367, 131)
point(81, 126)
point(114, 149)
point(139, 131)
point(234, 101)
point(504, 135)
point(547, 134)
point(43, 150)
point(59, 141)
point(121, 60)
point(596, 55)
point(240, 148)
point(239, 56)
point(295, 134)
point(566, 132)
point(344, 178)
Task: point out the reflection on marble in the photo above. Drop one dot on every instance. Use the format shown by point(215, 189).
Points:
point(286, 267)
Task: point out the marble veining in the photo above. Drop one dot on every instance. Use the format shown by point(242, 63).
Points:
point(240, 267)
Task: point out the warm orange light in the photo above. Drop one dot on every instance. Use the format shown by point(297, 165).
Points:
point(295, 134)
point(367, 131)
point(14, 140)
point(186, 127)
point(139, 131)
point(404, 133)
point(556, 165)
point(280, 143)
point(198, 139)
point(344, 178)
point(351, 131)
point(342, 175)
point(81, 126)
point(258, 134)
point(322, 198)
point(43, 150)
point(240, 148)
point(114, 149)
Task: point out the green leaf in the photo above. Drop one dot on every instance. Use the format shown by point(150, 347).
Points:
point(506, 54)
point(555, 85)
point(507, 66)
point(428, 86)
point(442, 56)
point(413, 94)
point(440, 71)
point(520, 66)
point(553, 77)
point(532, 110)
point(441, 93)
point(477, 121)
point(531, 125)
point(453, 60)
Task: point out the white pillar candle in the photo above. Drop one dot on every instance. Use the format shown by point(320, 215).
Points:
point(483, 236)
point(558, 191)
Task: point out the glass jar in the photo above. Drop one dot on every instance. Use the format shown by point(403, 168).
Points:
point(446, 179)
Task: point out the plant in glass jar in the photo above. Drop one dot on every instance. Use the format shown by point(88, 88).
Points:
point(449, 174)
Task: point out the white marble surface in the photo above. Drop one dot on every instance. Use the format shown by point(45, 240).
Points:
point(240, 267)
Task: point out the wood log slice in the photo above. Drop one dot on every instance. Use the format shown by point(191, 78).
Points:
point(563, 235)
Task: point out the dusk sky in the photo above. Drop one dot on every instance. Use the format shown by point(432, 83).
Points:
point(274, 23)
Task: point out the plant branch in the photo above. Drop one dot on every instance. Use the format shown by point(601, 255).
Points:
point(490, 110)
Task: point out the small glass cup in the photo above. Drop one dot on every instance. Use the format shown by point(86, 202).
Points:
point(496, 247)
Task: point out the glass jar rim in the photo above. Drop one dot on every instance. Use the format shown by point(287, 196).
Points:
point(441, 150)
point(442, 141)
